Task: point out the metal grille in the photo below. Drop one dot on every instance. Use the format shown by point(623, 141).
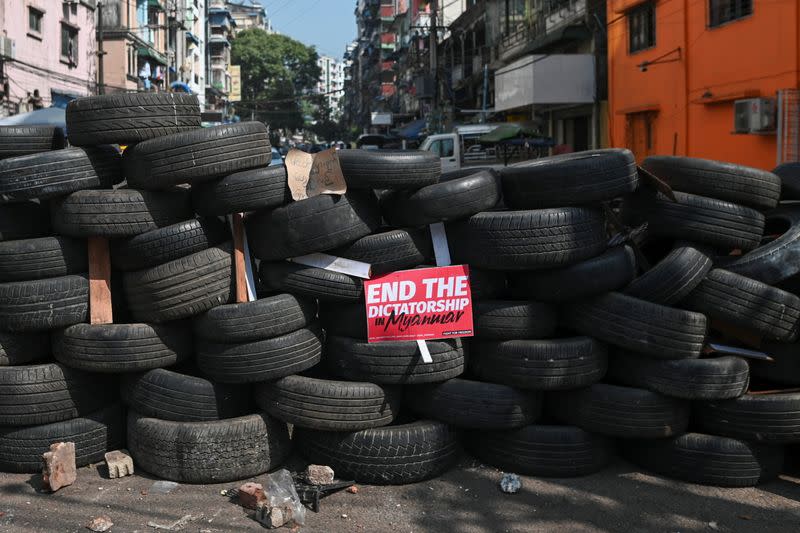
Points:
point(788, 126)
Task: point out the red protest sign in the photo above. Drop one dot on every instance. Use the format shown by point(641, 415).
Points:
point(420, 304)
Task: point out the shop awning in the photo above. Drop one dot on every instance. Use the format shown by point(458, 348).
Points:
point(155, 4)
point(504, 132)
point(412, 130)
point(146, 51)
point(192, 37)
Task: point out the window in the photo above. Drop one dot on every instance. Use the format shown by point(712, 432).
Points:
point(69, 8)
point(642, 27)
point(35, 20)
point(69, 44)
point(442, 147)
point(722, 11)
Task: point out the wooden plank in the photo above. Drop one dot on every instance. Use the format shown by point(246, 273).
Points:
point(240, 271)
point(100, 310)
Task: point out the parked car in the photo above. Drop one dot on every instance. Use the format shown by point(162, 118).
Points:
point(277, 158)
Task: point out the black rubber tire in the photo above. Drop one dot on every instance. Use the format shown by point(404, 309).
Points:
point(468, 404)
point(718, 223)
point(166, 244)
point(510, 319)
point(45, 257)
point(578, 178)
point(262, 360)
point(487, 284)
point(779, 259)
point(23, 348)
point(329, 405)
point(747, 303)
point(558, 364)
point(249, 190)
point(783, 369)
point(527, 240)
point(207, 452)
point(673, 278)
point(181, 288)
point(716, 378)
point(753, 187)
point(317, 224)
point(16, 141)
point(169, 395)
point(261, 319)
point(50, 392)
point(325, 285)
point(448, 200)
point(389, 169)
point(118, 213)
point(393, 363)
point(634, 324)
point(542, 450)
point(128, 118)
point(623, 412)
point(25, 220)
point(608, 271)
point(56, 173)
point(44, 304)
point(392, 455)
point(391, 250)
point(119, 348)
point(344, 319)
point(789, 173)
point(773, 418)
point(21, 448)
point(708, 459)
point(196, 156)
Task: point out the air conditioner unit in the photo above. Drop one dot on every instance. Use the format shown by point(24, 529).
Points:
point(754, 115)
point(7, 48)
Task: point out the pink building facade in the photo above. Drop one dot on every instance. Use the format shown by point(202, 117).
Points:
point(48, 49)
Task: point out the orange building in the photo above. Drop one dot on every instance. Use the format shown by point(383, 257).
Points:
point(676, 69)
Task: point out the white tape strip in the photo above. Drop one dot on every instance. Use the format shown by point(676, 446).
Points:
point(335, 264)
point(248, 269)
point(440, 247)
point(423, 349)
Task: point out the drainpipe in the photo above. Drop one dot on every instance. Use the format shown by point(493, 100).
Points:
point(688, 151)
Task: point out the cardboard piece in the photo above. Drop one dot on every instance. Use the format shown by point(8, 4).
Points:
point(335, 264)
point(423, 350)
point(441, 248)
point(326, 175)
point(310, 175)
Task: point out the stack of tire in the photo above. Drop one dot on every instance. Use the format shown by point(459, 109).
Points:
point(376, 412)
point(43, 289)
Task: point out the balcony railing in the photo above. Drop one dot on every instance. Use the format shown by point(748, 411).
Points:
point(555, 14)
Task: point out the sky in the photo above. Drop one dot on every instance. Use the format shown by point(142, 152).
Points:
point(327, 24)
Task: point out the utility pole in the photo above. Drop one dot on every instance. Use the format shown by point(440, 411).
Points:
point(434, 58)
point(101, 88)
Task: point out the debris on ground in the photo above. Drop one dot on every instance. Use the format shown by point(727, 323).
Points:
point(510, 483)
point(177, 525)
point(163, 487)
point(251, 495)
point(59, 466)
point(100, 524)
point(282, 505)
point(319, 475)
point(352, 489)
point(119, 463)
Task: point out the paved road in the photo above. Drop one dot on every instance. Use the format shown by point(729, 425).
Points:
point(467, 500)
